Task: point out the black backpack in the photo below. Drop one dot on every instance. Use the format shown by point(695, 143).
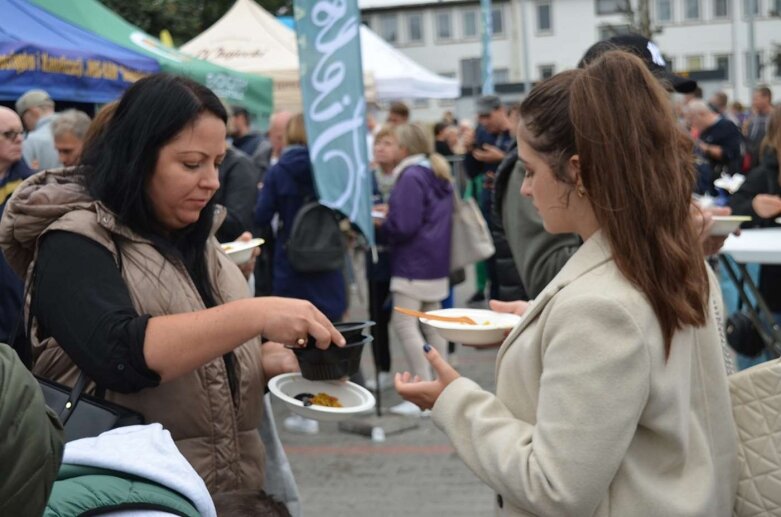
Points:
point(316, 243)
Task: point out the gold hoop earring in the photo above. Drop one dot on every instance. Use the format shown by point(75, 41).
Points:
point(581, 191)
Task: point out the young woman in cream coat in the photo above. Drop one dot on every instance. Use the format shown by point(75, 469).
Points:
point(611, 394)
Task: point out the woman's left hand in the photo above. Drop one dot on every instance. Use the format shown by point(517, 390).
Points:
point(426, 393)
point(277, 359)
point(249, 266)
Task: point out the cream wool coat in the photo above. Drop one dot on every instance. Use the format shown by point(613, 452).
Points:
point(588, 418)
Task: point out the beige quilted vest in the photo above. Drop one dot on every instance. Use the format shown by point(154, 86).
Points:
point(216, 432)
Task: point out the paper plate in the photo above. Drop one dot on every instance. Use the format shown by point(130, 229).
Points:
point(354, 399)
point(241, 251)
point(490, 329)
point(726, 224)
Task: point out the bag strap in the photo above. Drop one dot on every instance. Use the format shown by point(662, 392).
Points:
point(73, 398)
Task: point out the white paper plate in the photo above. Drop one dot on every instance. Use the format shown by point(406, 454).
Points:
point(490, 329)
point(354, 398)
point(726, 224)
point(241, 251)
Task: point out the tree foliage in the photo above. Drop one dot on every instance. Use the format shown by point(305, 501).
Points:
point(184, 19)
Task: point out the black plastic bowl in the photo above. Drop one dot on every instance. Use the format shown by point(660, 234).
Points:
point(335, 362)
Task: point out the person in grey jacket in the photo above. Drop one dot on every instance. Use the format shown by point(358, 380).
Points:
point(539, 255)
point(37, 111)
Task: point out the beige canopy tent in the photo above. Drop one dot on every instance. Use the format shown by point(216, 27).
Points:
point(249, 39)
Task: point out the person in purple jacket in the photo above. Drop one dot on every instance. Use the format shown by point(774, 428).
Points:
point(417, 227)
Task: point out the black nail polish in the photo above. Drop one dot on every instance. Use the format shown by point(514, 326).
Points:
point(427, 348)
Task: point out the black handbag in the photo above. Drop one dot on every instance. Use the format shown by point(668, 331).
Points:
point(742, 336)
point(82, 415)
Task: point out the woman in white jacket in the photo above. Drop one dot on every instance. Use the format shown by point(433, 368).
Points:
point(611, 394)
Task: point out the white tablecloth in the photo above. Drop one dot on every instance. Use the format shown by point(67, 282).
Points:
point(761, 245)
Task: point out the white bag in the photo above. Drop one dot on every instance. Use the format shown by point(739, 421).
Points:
point(470, 239)
point(756, 407)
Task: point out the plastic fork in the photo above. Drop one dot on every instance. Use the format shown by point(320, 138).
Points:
point(451, 319)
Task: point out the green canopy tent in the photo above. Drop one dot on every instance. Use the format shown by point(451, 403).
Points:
point(253, 92)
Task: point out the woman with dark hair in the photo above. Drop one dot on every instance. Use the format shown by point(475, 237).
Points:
point(130, 287)
point(611, 394)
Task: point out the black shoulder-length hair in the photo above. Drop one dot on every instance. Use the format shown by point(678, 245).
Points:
point(121, 158)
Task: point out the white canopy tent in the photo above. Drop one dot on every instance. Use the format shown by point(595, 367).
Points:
point(249, 39)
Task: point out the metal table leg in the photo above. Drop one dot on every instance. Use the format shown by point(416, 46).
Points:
point(771, 339)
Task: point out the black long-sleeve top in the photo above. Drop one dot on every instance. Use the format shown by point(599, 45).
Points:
point(762, 180)
point(93, 321)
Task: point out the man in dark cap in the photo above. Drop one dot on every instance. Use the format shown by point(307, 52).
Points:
point(494, 137)
point(540, 255)
point(244, 139)
point(646, 50)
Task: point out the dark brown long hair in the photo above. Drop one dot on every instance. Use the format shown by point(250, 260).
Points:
point(638, 172)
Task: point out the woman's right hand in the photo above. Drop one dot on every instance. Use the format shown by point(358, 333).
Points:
point(288, 321)
point(766, 205)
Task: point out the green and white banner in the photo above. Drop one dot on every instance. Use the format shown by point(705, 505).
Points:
point(329, 53)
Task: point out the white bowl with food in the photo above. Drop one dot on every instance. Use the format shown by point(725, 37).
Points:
point(241, 251)
point(327, 401)
point(723, 225)
point(490, 327)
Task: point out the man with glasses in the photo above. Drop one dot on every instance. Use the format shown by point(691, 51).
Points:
point(13, 170)
point(37, 111)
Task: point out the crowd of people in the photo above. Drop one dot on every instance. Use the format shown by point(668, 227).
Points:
point(611, 394)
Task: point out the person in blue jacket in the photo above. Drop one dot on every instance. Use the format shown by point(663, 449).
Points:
point(288, 185)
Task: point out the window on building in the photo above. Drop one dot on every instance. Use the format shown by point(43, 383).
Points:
point(546, 71)
point(723, 63)
point(775, 8)
point(415, 28)
point(721, 8)
point(751, 4)
point(501, 75)
point(444, 26)
point(611, 6)
point(471, 73)
point(497, 21)
point(544, 16)
point(664, 11)
point(757, 65)
point(693, 63)
point(691, 9)
point(608, 31)
point(420, 103)
point(389, 28)
point(469, 23)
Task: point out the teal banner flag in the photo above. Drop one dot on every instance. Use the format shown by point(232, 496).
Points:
point(486, 15)
point(329, 53)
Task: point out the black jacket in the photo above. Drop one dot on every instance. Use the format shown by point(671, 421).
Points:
point(762, 180)
point(238, 193)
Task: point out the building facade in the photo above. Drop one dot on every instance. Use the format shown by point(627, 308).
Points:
point(534, 39)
